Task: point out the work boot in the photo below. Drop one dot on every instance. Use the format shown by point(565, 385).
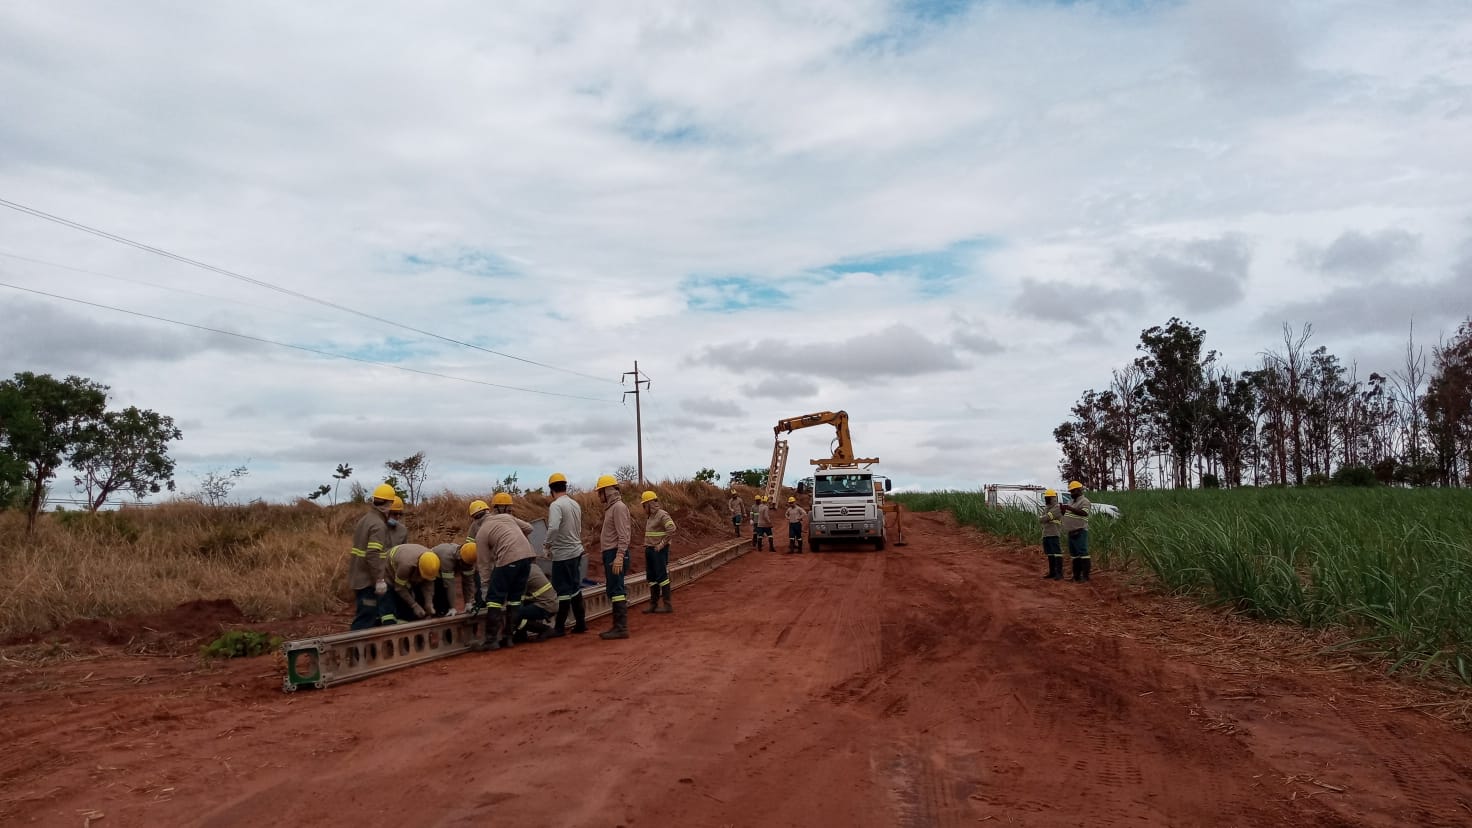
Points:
point(620, 628)
point(771, 545)
point(579, 613)
point(538, 631)
point(1078, 569)
point(668, 607)
point(508, 634)
point(1088, 564)
point(493, 635)
point(653, 599)
point(563, 608)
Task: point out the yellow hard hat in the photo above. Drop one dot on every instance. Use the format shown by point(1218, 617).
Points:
point(467, 553)
point(397, 505)
point(1074, 484)
point(791, 500)
point(384, 491)
point(558, 477)
point(429, 566)
point(1050, 493)
point(501, 499)
point(648, 496)
point(605, 481)
point(477, 506)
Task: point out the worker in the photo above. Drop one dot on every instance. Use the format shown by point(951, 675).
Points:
point(366, 562)
point(738, 511)
point(764, 518)
point(1076, 524)
point(478, 511)
point(659, 528)
point(565, 547)
point(1052, 521)
point(398, 531)
point(415, 569)
point(457, 568)
point(795, 515)
point(503, 557)
point(537, 605)
point(756, 532)
point(614, 541)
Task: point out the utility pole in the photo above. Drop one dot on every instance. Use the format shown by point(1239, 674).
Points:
point(638, 413)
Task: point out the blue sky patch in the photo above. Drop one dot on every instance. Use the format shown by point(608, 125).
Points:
point(465, 260)
point(728, 294)
point(662, 125)
point(937, 271)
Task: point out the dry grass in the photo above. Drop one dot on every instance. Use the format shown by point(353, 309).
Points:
point(273, 561)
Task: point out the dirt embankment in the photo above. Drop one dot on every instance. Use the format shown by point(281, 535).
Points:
point(941, 683)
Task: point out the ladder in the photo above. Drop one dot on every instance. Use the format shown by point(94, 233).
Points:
point(776, 472)
point(330, 660)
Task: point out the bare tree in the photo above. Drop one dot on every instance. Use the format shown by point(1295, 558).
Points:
point(1407, 384)
point(412, 470)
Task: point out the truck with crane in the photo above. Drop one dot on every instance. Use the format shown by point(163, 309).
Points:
point(848, 497)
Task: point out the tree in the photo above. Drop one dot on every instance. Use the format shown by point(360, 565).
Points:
point(755, 478)
point(46, 418)
point(626, 473)
point(1172, 367)
point(320, 492)
point(509, 484)
point(344, 471)
point(216, 484)
point(708, 476)
point(412, 470)
point(357, 494)
point(128, 451)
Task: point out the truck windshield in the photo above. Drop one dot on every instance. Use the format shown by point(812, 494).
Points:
point(844, 485)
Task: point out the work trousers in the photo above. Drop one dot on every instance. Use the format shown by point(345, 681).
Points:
point(567, 577)
point(508, 584)
point(370, 608)
point(529, 613)
point(794, 530)
point(1052, 546)
point(657, 567)
point(615, 583)
point(1078, 544)
point(443, 601)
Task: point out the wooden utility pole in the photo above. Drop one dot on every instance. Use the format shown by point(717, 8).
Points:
point(638, 413)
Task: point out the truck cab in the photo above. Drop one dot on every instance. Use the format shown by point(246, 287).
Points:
point(848, 507)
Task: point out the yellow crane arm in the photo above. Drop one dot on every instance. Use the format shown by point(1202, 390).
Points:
point(843, 447)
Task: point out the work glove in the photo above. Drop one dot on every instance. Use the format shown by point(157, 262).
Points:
point(419, 612)
point(474, 608)
point(450, 613)
point(380, 589)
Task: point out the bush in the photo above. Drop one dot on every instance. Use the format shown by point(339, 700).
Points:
point(1317, 481)
point(241, 644)
point(1210, 481)
point(1355, 476)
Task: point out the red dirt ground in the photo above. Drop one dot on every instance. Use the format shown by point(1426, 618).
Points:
point(940, 684)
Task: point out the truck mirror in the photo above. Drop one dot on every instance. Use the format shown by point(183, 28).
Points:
point(888, 484)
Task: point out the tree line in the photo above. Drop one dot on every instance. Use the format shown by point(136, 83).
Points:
point(1178, 416)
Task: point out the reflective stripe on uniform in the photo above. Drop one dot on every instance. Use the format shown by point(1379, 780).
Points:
point(619, 598)
point(375, 546)
point(358, 552)
point(494, 605)
point(544, 588)
point(665, 582)
point(400, 581)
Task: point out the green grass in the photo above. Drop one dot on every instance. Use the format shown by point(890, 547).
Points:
point(1394, 566)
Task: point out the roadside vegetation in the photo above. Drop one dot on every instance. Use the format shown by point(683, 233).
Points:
point(1392, 566)
point(272, 561)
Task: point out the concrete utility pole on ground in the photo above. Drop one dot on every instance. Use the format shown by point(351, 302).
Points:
point(638, 414)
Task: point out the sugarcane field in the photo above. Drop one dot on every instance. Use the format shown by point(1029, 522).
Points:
point(896, 413)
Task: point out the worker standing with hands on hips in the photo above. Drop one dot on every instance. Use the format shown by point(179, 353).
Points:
point(367, 562)
point(503, 557)
point(764, 517)
point(617, 531)
point(795, 515)
point(738, 511)
point(1076, 524)
point(565, 546)
point(659, 528)
point(1052, 521)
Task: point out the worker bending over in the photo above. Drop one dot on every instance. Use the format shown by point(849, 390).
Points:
point(457, 576)
point(795, 515)
point(659, 528)
point(367, 563)
point(1052, 522)
point(565, 546)
point(738, 511)
point(537, 605)
point(1076, 524)
point(503, 557)
point(614, 541)
point(415, 569)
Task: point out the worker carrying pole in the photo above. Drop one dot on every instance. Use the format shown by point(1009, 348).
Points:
point(367, 562)
point(614, 540)
point(659, 528)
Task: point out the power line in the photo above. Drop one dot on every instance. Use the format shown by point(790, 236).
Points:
point(300, 347)
point(148, 248)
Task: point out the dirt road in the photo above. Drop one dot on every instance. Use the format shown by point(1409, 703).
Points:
point(938, 684)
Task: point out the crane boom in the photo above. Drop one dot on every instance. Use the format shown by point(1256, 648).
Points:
point(843, 445)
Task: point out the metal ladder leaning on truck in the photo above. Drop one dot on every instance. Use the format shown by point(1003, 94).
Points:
point(848, 498)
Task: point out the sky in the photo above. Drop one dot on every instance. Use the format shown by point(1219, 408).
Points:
point(947, 218)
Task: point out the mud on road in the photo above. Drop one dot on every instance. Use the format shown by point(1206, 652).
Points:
point(940, 684)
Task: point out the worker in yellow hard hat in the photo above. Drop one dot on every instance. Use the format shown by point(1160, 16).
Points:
point(659, 529)
point(367, 562)
point(398, 532)
point(565, 547)
point(756, 530)
point(1076, 525)
point(614, 541)
point(478, 511)
point(503, 557)
point(795, 516)
point(765, 515)
point(457, 577)
point(737, 508)
point(1052, 523)
point(415, 569)
point(538, 602)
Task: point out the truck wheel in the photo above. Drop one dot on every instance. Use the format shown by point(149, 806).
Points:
point(879, 544)
point(812, 545)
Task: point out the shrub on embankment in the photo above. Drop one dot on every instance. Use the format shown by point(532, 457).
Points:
point(273, 561)
point(1394, 566)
